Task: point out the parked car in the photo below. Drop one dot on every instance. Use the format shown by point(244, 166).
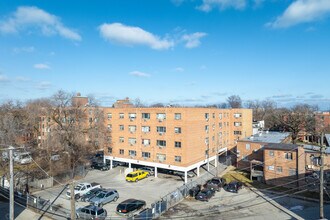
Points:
point(136, 175)
point(214, 184)
point(100, 166)
point(150, 170)
point(91, 212)
point(195, 190)
point(179, 173)
point(115, 163)
point(233, 186)
point(105, 196)
point(205, 195)
point(91, 194)
point(129, 206)
point(81, 189)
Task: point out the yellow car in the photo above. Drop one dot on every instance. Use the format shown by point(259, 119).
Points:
point(136, 176)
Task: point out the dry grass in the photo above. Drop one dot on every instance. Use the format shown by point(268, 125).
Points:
point(238, 176)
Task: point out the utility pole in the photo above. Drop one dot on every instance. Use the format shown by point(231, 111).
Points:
point(73, 205)
point(321, 177)
point(11, 196)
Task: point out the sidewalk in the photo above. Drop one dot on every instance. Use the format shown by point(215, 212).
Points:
point(21, 213)
point(28, 214)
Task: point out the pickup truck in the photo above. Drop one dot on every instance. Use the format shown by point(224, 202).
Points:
point(81, 189)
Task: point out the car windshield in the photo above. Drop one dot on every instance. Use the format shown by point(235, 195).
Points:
point(100, 195)
point(129, 175)
point(121, 206)
point(77, 187)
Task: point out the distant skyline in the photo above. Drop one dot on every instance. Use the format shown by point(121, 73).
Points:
point(187, 52)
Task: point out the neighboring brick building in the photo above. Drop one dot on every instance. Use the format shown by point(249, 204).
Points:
point(324, 118)
point(276, 162)
point(174, 138)
point(284, 163)
point(250, 148)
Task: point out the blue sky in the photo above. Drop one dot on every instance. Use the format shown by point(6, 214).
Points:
point(176, 52)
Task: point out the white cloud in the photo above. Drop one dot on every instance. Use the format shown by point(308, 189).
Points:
point(22, 79)
point(302, 11)
point(24, 49)
point(25, 17)
point(41, 66)
point(43, 85)
point(178, 69)
point(193, 40)
point(177, 2)
point(3, 78)
point(129, 35)
point(208, 5)
point(139, 74)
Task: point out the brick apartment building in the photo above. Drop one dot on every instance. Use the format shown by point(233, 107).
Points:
point(174, 138)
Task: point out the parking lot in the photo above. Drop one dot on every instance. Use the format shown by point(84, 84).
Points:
point(225, 205)
point(150, 189)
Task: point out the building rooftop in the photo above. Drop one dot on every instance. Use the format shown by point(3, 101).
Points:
point(313, 148)
point(268, 137)
point(281, 146)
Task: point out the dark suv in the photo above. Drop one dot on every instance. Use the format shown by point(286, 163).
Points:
point(233, 186)
point(100, 166)
point(205, 195)
point(214, 184)
point(129, 206)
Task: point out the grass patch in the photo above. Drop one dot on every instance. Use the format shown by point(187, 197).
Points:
point(238, 176)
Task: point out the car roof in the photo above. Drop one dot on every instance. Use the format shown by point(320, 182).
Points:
point(136, 171)
point(131, 200)
point(107, 190)
point(92, 207)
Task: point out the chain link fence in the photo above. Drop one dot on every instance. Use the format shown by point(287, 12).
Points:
point(176, 196)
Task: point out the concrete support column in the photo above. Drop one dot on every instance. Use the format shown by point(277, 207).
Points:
point(156, 172)
point(198, 170)
point(185, 177)
point(111, 164)
point(216, 160)
point(129, 165)
point(208, 165)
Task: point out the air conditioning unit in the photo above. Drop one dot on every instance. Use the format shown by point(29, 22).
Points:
point(145, 158)
point(207, 119)
point(160, 133)
point(160, 119)
point(131, 144)
point(131, 119)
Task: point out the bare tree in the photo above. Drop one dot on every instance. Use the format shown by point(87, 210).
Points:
point(295, 120)
point(262, 110)
point(234, 101)
point(73, 131)
point(157, 105)
point(138, 103)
